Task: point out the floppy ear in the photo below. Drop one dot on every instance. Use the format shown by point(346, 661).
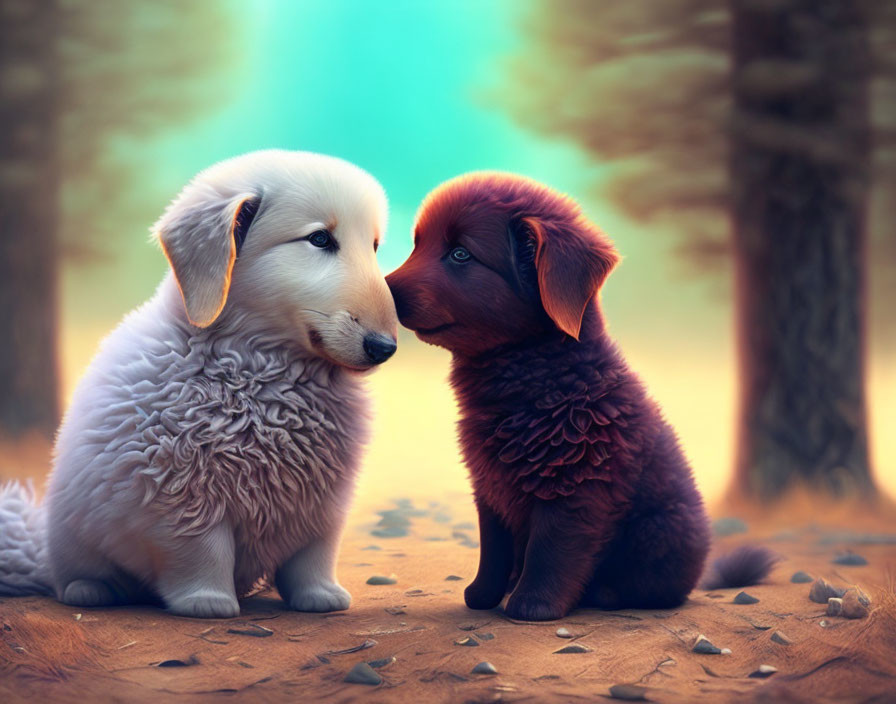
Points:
point(571, 263)
point(201, 233)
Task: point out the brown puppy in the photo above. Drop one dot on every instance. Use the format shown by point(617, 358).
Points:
point(584, 496)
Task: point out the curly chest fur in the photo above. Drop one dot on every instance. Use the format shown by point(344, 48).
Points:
point(541, 424)
point(262, 439)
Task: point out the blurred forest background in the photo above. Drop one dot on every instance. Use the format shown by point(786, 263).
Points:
point(742, 155)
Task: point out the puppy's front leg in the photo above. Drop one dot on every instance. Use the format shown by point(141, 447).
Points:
point(495, 561)
point(196, 577)
point(560, 558)
point(307, 580)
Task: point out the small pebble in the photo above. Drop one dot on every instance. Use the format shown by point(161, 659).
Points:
point(764, 671)
point(704, 647)
point(850, 558)
point(485, 636)
point(179, 663)
point(485, 668)
point(725, 651)
point(780, 638)
point(573, 648)
point(379, 579)
point(563, 632)
point(372, 547)
point(744, 598)
point(821, 591)
point(389, 532)
point(382, 662)
point(823, 623)
point(469, 642)
point(801, 577)
point(394, 518)
point(853, 605)
point(729, 526)
point(862, 596)
point(469, 626)
point(629, 692)
point(453, 578)
point(362, 673)
point(835, 606)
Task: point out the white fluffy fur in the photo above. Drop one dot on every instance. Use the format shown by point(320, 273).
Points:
point(24, 568)
point(195, 461)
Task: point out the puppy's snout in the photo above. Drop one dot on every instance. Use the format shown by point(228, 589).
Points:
point(402, 307)
point(379, 348)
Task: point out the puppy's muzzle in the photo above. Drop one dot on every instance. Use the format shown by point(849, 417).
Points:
point(379, 348)
point(403, 301)
point(417, 307)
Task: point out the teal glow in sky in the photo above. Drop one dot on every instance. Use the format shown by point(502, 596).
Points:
point(398, 87)
point(405, 89)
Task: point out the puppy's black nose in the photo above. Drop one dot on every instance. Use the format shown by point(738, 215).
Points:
point(379, 348)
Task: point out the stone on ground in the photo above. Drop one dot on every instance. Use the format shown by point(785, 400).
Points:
point(362, 673)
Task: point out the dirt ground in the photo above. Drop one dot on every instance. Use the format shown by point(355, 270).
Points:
point(410, 630)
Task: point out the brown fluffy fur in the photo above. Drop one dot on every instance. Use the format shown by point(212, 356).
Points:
point(584, 495)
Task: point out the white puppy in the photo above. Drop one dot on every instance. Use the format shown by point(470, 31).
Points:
point(214, 440)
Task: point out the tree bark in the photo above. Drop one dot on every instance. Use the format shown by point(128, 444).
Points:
point(800, 158)
point(29, 191)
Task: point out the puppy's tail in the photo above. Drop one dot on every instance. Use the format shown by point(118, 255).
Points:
point(24, 564)
point(742, 567)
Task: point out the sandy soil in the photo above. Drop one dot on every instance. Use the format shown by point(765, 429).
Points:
point(55, 653)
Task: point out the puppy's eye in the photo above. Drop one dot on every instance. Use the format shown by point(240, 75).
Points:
point(322, 239)
point(460, 255)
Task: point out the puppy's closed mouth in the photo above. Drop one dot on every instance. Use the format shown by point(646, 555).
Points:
point(317, 342)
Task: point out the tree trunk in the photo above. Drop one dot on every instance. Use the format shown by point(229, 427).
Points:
point(28, 216)
point(800, 156)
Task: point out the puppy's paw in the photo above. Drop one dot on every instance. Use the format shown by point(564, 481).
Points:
point(320, 597)
point(205, 604)
point(482, 596)
point(89, 592)
point(529, 607)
